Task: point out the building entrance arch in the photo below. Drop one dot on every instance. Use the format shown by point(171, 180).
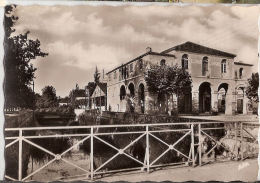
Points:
point(185, 101)
point(205, 97)
point(240, 100)
point(131, 88)
point(141, 97)
point(222, 92)
point(122, 92)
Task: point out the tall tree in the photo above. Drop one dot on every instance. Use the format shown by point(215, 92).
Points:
point(164, 80)
point(91, 87)
point(19, 71)
point(252, 89)
point(96, 75)
point(48, 98)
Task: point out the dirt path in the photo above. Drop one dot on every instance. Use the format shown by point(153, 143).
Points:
point(230, 171)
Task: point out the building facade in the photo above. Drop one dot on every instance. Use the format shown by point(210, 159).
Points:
point(218, 82)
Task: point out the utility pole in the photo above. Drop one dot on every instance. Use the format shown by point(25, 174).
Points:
point(33, 100)
point(100, 100)
point(86, 92)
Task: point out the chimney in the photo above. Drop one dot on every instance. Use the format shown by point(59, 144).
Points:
point(148, 49)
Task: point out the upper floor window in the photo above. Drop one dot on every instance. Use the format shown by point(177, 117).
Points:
point(162, 62)
point(114, 74)
point(240, 73)
point(184, 61)
point(141, 63)
point(131, 67)
point(121, 75)
point(126, 71)
point(204, 66)
point(223, 66)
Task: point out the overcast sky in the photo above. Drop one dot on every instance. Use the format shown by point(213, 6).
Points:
point(79, 38)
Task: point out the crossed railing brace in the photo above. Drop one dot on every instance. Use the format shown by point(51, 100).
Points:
point(147, 133)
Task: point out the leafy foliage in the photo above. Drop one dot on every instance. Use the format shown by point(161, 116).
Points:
point(74, 93)
point(91, 87)
point(48, 98)
point(252, 89)
point(164, 80)
point(19, 72)
point(167, 80)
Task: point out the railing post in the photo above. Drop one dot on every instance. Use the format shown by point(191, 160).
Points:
point(32, 167)
point(199, 144)
point(91, 154)
point(236, 147)
point(242, 138)
point(20, 166)
point(192, 145)
point(147, 149)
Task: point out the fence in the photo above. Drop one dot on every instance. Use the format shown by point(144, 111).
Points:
point(136, 147)
point(12, 110)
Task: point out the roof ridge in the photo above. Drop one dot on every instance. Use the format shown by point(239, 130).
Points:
point(139, 57)
point(205, 49)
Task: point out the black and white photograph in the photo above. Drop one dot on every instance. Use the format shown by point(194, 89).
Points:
point(131, 92)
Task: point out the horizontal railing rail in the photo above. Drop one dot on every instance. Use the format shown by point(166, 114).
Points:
point(124, 125)
point(184, 140)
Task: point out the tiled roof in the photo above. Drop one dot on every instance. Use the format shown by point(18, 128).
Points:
point(103, 87)
point(196, 48)
point(141, 56)
point(79, 93)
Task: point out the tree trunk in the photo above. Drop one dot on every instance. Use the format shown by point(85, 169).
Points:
point(167, 105)
point(163, 103)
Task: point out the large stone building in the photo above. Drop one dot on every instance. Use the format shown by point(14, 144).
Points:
point(218, 82)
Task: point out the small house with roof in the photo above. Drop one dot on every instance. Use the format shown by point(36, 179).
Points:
point(64, 101)
point(99, 97)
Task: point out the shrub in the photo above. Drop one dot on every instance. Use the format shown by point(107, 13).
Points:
point(23, 119)
point(61, 110)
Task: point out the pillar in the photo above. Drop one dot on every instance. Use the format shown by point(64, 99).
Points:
point(245, 105)
point(214, 101)
point(230, 103)
point(195, 101)
point(174, 104)
point(234, 103)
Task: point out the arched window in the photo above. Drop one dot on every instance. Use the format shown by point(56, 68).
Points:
point(141, 64)
point(204, 66)
point(184, 61)
point(122, 92)
point(223, 66)
point(162, 62)
point(115, 74)
point(240, 73)
point(131, 88)
point(141, 97)
point(126, 71)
